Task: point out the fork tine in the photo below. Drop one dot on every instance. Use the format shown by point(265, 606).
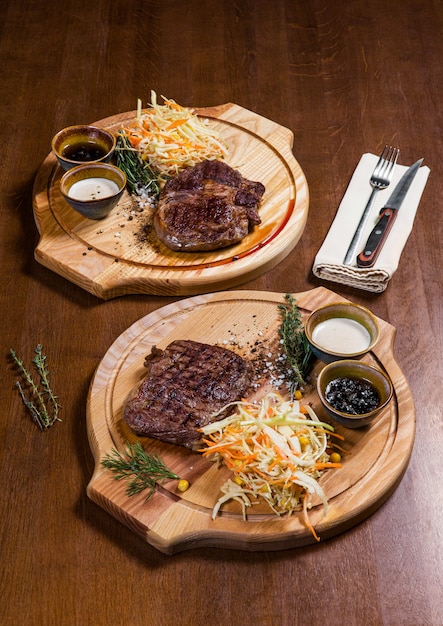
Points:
point(393, 156)
point(381, 160)
point(397, 152)
point(389, 159)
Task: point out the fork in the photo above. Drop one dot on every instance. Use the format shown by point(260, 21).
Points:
point(380, 179)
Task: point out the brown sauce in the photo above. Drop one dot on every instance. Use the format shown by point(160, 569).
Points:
point(84, 151)
point(352, 396)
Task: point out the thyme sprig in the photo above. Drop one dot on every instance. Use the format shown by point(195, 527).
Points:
point(295, 343)
point(141, 468)
point(37, 397)
point(139, 176)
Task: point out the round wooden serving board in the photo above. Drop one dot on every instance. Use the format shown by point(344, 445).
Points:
point(114, 256)
point(171, 521)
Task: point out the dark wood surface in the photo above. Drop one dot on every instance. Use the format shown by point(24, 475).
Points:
point(346, 78)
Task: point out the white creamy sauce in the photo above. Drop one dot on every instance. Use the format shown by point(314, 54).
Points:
point(341, 334)
point(93, 189)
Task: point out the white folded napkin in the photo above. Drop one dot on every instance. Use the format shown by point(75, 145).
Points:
point(328, 264)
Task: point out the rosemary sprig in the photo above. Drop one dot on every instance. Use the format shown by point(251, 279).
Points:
point(144, 468)
point(295, 343)
point(41, 402)
point(40, 364)
point(139, 176)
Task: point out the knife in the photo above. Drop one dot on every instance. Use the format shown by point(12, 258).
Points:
point(387, 215)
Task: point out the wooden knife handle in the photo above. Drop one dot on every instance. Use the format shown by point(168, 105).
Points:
point(376, 239)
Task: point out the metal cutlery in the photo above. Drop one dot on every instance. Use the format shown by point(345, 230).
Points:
point(387, 215)
point(380, 179)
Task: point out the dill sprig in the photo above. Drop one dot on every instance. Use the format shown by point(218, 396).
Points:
point(141, 468)
point(295, 343)
point(37, 397)
point(139, 176)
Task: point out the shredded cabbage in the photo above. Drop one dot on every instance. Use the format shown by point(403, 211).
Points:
point(277, 451)
point(171, 137)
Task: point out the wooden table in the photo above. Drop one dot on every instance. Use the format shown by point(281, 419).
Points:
point(346, 78)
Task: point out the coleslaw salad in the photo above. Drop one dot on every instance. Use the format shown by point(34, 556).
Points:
point(277, 450)
point(170, 137)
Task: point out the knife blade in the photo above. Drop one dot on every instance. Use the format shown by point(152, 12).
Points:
point(387, 215)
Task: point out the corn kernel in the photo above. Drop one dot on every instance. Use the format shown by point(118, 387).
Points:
point(238, 480)
point(335, 457)
point(304, 441)
point(298, 395)
point(183, 485)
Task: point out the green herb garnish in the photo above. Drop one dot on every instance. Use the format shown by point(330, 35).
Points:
point(144, 468)
point(295, 343)
point(139, 176)
point(40, 399)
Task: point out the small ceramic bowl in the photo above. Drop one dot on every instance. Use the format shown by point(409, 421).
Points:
point(75, 145)
point(342, 330)
point(93, 190)
point(348, 386)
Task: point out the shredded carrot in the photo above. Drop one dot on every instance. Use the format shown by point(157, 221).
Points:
point(134, 141)
point(170, 137)
point(306, 517)
point(330, 433)
point(277, 452)
point(245, 464)
point(273, 464)
point(176, 123)
point(325, 465)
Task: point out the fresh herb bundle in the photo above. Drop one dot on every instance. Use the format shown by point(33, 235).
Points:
point(40, 399)
point(295, 343)
point(141, 468)
point(139, 176)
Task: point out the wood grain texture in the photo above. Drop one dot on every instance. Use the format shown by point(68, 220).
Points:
point(171, 521)
point(113, 257)
point(346, 78)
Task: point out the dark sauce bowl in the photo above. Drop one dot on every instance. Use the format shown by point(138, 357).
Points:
point(358, 372)
point(77, 145)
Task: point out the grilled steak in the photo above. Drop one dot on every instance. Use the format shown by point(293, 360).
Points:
point(185, 384)
point(206, 207)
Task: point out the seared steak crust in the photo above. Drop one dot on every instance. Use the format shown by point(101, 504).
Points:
point(206, 207)
point(186, 383)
